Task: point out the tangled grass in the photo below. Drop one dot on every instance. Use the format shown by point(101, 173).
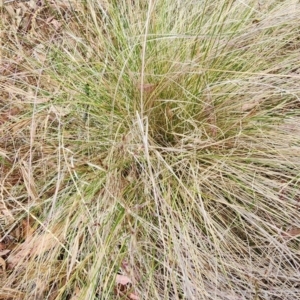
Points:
point(153, 141)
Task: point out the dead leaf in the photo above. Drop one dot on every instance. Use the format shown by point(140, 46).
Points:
point(124, 285)
point(43, 244)
point(291, 232)
point(2, 246)
point(56, 24)
point(122, 279)
point(32, 247)
point(4, 252)
point(133, 297)
point(21, 253)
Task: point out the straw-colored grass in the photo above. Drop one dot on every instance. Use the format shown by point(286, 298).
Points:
point(150, 149)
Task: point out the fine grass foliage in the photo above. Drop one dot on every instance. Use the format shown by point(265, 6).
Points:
point(154, 140)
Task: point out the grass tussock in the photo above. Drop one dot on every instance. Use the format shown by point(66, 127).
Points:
point(150, 141)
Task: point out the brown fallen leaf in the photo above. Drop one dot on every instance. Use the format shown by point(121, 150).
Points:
point(124, 284)
point(2, 246)
point(291, 232)
point(122, 279)
point(4, 252)
point(56, 24)
point(32, 247)
point(132, 296)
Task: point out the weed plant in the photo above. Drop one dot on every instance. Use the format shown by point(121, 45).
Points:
point(152, 140)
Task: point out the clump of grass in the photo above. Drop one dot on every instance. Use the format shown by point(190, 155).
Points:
point(154, 139)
